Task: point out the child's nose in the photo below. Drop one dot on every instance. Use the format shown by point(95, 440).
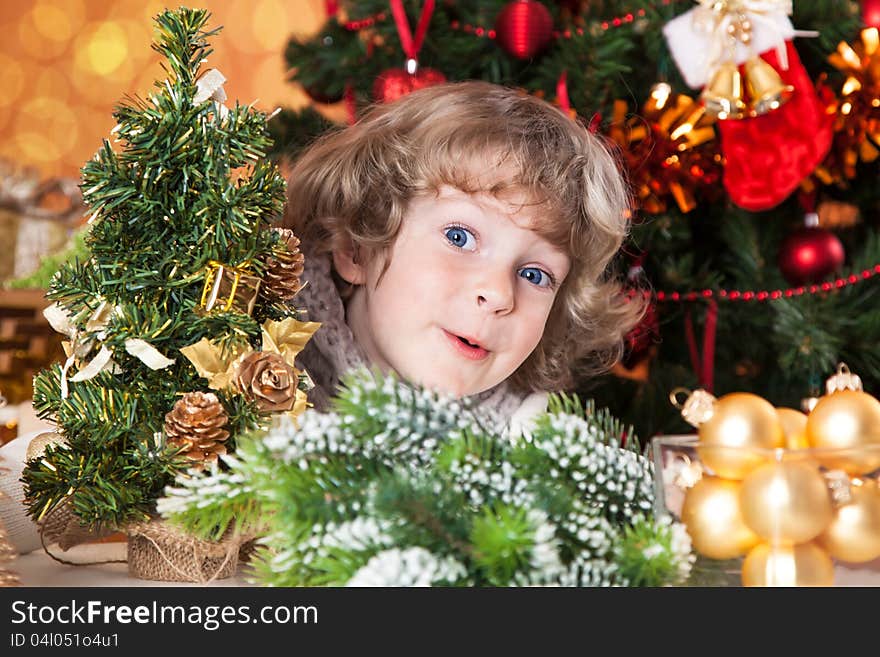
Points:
point(495, 292)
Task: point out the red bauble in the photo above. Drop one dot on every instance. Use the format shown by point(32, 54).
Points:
point(396, 82)
point(810, 254)
point(871, 13)
point(524, 27)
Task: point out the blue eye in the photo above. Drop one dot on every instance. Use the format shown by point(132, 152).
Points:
point(461, 237)
point(536, 276)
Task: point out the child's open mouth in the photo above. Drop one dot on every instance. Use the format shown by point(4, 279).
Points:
point(466, 347)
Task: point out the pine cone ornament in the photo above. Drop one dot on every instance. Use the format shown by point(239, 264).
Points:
point(195, 426)
point(283, 269)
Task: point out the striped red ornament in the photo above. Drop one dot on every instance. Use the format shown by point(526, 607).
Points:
point(524, 28)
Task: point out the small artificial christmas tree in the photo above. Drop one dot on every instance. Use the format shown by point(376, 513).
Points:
point(167, 304)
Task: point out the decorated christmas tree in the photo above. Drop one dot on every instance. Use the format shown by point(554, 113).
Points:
point(181, 334)
point(748, 133)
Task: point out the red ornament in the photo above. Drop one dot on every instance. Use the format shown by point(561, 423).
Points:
point(810, 254)
point(871, 13)
point(524, 28)
point(397, 82)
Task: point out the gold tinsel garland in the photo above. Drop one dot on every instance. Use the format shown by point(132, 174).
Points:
point(856, 109)
point(669, 149)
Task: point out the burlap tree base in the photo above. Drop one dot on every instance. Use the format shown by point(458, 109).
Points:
point(157, 551)
point(63, 526)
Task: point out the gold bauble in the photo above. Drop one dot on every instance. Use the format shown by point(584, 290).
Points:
point(788, 565)
point(786, 501)
point(741, 427)
point(854, 532)
point(711, 513)
point(847, 420)
point(41, 441)
point(794, 428)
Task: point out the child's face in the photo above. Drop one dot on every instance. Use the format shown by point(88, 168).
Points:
point(463, 267)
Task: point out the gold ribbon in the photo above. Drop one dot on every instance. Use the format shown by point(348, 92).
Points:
point(82, 341)
point(210, 87)
point(285, 338)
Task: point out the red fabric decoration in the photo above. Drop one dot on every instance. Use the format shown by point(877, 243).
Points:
point(768, 156)
point(810, 254)
point(703, 367)
point(523, 28)
point(642, 337)
point(562, 93)
point(350, 105)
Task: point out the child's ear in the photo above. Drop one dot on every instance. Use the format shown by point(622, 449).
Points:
point(347, 266)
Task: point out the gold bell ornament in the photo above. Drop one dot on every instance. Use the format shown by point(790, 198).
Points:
point(735, 432)
point(766, 89)
point(723, 95)
point(844, 425)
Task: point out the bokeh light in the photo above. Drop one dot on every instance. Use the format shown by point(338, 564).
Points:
point(58, 20)
point(105, 49)
point(271, 24)
point(51, 82)
point(65, 64)
point(269, 76)
point(11, 80)
point(46, 129)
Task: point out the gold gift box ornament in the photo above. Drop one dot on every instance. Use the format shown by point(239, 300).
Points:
point(229, 288)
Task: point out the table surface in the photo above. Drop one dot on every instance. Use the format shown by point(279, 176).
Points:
point(38, 569)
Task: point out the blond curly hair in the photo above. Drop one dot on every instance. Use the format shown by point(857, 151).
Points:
point(351, 189)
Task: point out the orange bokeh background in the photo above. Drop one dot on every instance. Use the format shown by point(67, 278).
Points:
point(64, 64)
